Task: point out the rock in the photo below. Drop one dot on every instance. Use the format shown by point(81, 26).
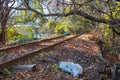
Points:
point(74, 69)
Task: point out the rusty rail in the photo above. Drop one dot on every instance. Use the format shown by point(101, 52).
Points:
point(30, 54)
point(28, 43)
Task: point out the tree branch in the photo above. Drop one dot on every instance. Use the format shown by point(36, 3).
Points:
point(79, 12)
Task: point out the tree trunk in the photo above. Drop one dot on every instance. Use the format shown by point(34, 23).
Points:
point(4, 16)
point(3, 34)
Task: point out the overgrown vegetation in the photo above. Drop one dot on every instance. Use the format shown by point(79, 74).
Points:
point(59, 17)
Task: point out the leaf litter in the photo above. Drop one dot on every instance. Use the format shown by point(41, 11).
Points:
point(78, 50)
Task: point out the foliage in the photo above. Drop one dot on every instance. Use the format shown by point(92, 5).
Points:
point(23, 18)
point(78, 15)
point(106, 34)
point(12, 34)
point(117, 28)
point(55, 66)
point(51, 25)
point(5, 72)
point(61, 27)
point(16, 36)
point(71, 24)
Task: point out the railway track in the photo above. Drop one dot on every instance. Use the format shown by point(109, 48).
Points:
point(7, 48)
point(45, 45)
point(18, 53)
point(21, 49)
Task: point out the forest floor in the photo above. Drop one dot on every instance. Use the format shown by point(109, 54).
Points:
point(82, 50)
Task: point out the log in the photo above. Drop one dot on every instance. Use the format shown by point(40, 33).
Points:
point(30, 67)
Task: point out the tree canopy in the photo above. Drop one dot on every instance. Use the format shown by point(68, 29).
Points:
point(96, 11)
point(101, 11)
